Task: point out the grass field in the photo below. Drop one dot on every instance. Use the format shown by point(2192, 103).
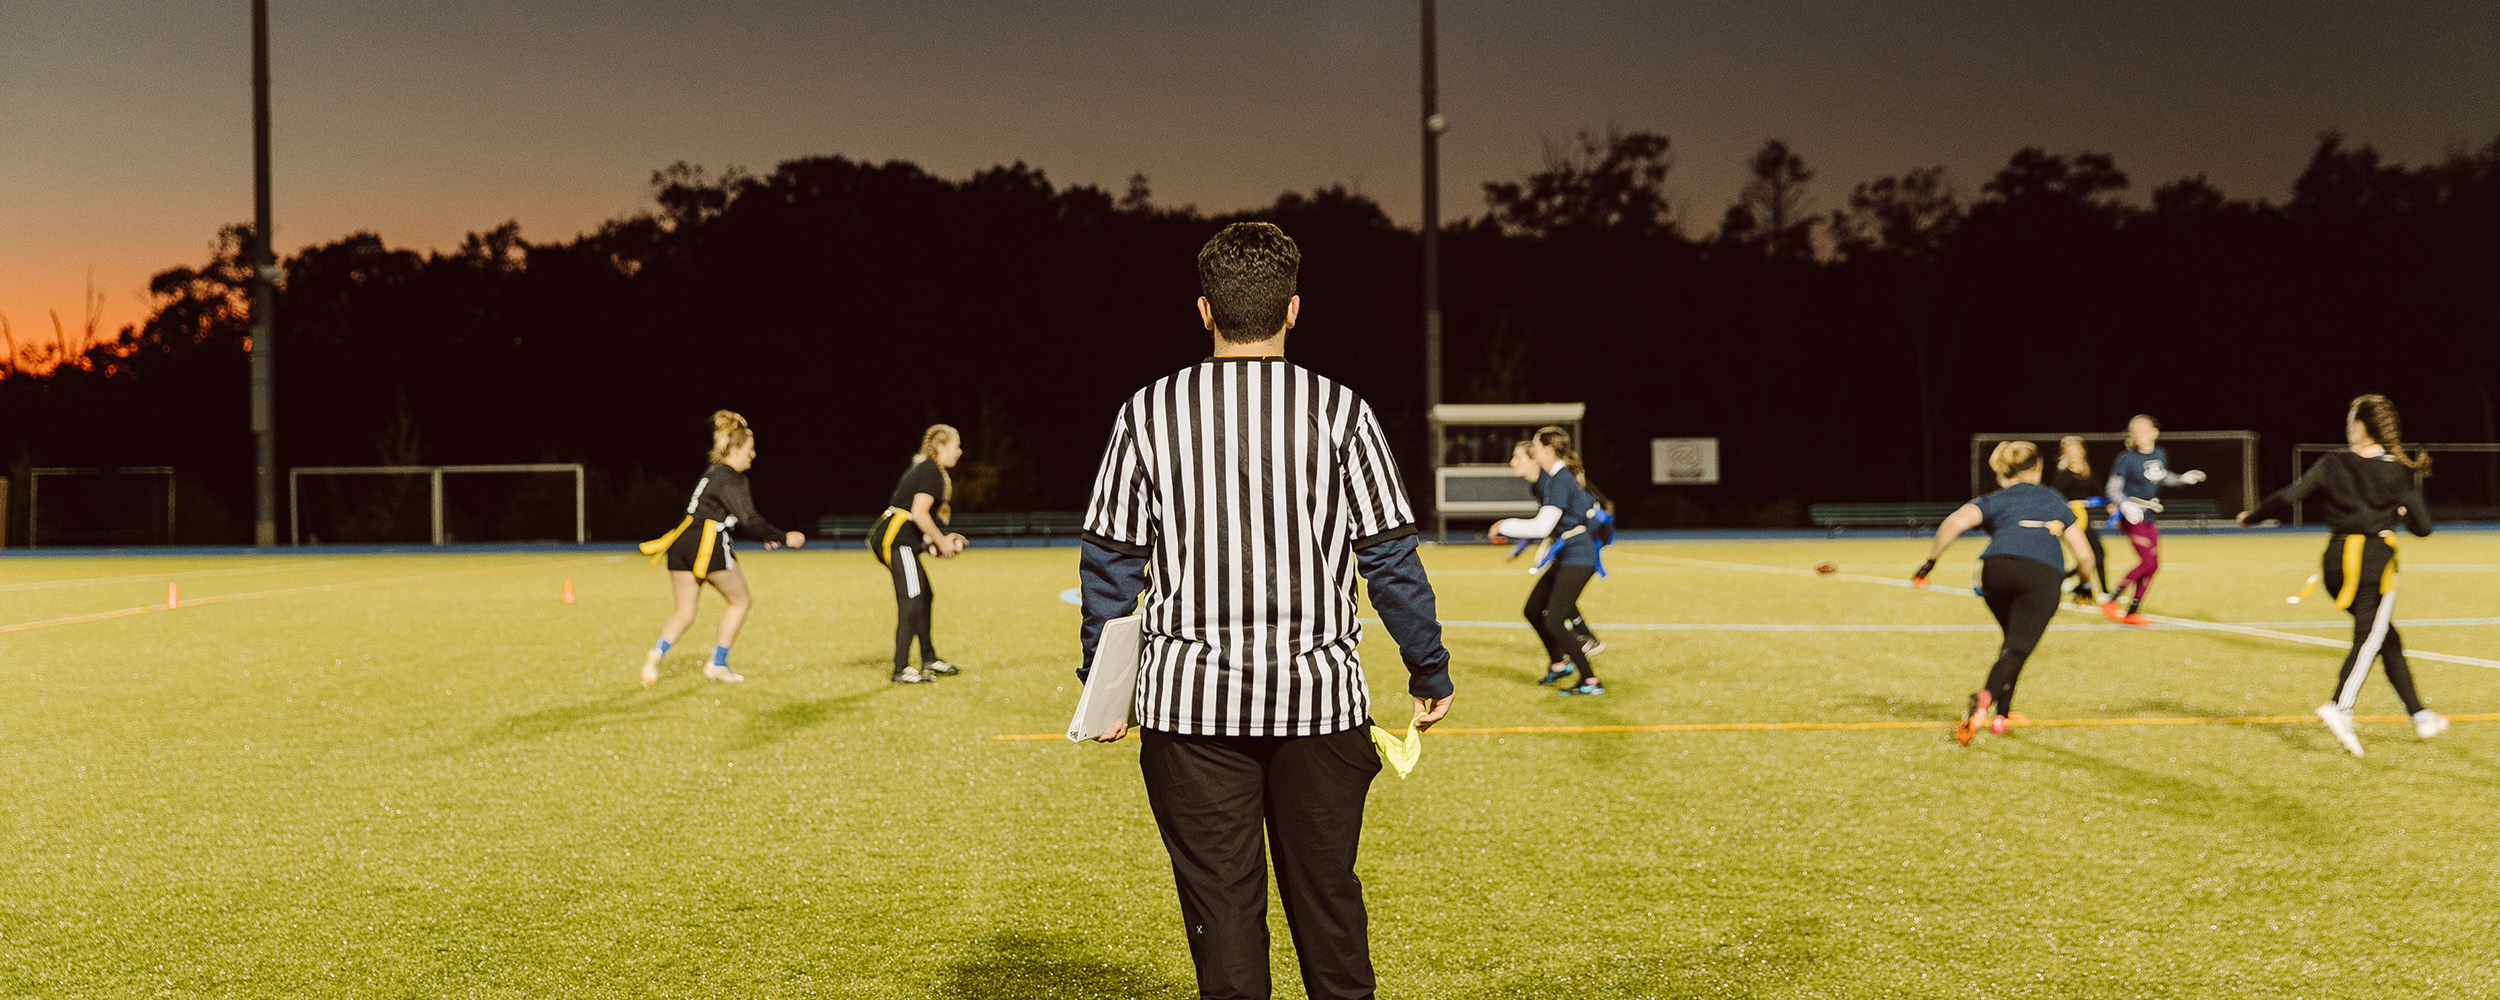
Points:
point(423, 776)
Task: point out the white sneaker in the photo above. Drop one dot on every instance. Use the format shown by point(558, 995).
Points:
point(2427, 723)
point(724, 674)
point(651, 669)
point(2339, 722)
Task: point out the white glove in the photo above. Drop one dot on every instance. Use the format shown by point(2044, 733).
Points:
point(2132, 511)
point(2192, 476)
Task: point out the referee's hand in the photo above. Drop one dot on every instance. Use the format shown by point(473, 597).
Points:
point(1430, 710)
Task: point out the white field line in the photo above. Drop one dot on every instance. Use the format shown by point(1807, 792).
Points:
point(191, 602)
point(2251, 631)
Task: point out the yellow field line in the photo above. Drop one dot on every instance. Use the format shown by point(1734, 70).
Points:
point(1756, 727)
point(97, 616)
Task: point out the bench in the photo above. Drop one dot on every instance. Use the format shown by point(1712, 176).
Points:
point(1008, 526)
point(1838, 516)
point(1913, 516)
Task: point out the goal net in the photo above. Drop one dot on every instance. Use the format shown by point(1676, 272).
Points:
point(2464, 484)
point(2228, 459)
point(130, 505)
point(435, 504)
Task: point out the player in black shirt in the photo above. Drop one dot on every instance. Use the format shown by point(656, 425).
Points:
point(698, 548)
point(2370, 488)
point(922, 500)
point(2073, 480)
point(2019, 572)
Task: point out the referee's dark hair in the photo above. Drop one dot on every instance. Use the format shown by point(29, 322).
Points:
point(1247, 274)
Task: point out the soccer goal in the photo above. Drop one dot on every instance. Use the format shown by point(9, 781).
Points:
point(412, 503)
point(2464, 484)
point(2228, 459)
point(127, 505)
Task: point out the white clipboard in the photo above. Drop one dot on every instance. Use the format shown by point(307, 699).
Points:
point(1110, 696)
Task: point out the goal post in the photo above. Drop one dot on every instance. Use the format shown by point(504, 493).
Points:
point(2228, 459)
point(101, 494)
point(433, 475)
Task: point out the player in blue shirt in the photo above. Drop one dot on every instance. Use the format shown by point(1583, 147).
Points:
point(1568, 514)
point(2019, 572)
point(2134, 490)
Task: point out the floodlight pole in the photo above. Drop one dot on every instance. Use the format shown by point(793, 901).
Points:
point(1433, 124)
point(264, 299)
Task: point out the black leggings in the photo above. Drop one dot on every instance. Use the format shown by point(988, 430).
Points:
point(1553, 605)
point(2092, 537)
point(913, 600)
point(2368, 590)
point(2022, 594)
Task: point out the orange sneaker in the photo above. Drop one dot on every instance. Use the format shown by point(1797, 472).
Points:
point(1968, 729)
point(2109, 610)
point(2134, 619)
point(1997, 725)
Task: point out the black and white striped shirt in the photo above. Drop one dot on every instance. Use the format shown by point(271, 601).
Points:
point(1248, 483)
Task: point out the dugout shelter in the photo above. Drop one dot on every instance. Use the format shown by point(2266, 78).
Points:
point(1471, 442)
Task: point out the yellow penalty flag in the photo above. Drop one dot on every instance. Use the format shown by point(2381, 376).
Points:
point(1400, 752)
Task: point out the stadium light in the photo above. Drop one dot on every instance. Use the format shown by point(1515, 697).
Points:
point(1433, 124)
point(264, 299)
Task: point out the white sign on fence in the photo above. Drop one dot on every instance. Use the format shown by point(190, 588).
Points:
point(1684, 461)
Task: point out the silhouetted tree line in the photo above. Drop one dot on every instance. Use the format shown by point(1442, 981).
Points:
point(1841, 351)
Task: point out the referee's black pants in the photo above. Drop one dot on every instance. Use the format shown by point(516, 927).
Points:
point(1211, 796)
point(2022, 594)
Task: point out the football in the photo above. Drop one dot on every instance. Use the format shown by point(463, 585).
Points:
point(1826, 567)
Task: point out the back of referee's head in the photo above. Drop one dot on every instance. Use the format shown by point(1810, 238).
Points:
point(1247, 274)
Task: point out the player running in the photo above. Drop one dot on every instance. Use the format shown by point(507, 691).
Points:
point(2134, 489)
point(2370, 487)
point(2072, 479)
point(1570, 516)
point(922, 499)
point(2019, 573)
point(698, 548)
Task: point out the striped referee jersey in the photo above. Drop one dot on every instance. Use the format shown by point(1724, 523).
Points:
point(1248, 485)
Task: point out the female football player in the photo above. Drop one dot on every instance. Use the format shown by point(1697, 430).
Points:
point(923, 499)
point(2073, 480)
point(2134, 488)
point(2371, 487)
point(2019, 572)
point(698, 549)
point(1566, 513)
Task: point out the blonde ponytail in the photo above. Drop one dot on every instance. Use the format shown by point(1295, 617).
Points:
point(2013, 458)
point(729, 430)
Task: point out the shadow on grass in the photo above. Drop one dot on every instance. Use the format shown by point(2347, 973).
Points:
point(1902, 708)
point(1046, 966)
point(624, 706)
point(789, 718)
point(2245, 806)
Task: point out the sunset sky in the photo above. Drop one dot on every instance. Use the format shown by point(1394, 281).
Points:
point(125, 128)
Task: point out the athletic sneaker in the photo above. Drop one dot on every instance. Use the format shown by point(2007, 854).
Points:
point(913, 675)
point(2427, 723)
point(1556, 672)
point(2339, 721)
point(1998, 725)
point(1589, 688)
point(1972, 718)
point(2109, 610)
point(2134, 619)
point(940, 668)
point(722, 674)
point(1592, 647)
point(651, 669)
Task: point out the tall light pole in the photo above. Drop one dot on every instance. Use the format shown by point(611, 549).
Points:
point(1433, 124)
point(264, 298)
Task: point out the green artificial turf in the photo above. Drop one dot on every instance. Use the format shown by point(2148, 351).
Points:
point(423, 776)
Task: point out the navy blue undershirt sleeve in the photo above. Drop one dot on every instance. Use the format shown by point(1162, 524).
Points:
point(1109, 582)
point(1403, 597)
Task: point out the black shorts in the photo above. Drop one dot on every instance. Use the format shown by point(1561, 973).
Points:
point(686, 555)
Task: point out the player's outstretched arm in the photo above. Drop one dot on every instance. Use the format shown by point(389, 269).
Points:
point(1961, 520)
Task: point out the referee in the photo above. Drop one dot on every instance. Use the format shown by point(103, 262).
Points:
point(1256, 491)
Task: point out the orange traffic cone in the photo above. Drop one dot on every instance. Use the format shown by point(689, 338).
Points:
point(568, 590)
point(173, 597)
